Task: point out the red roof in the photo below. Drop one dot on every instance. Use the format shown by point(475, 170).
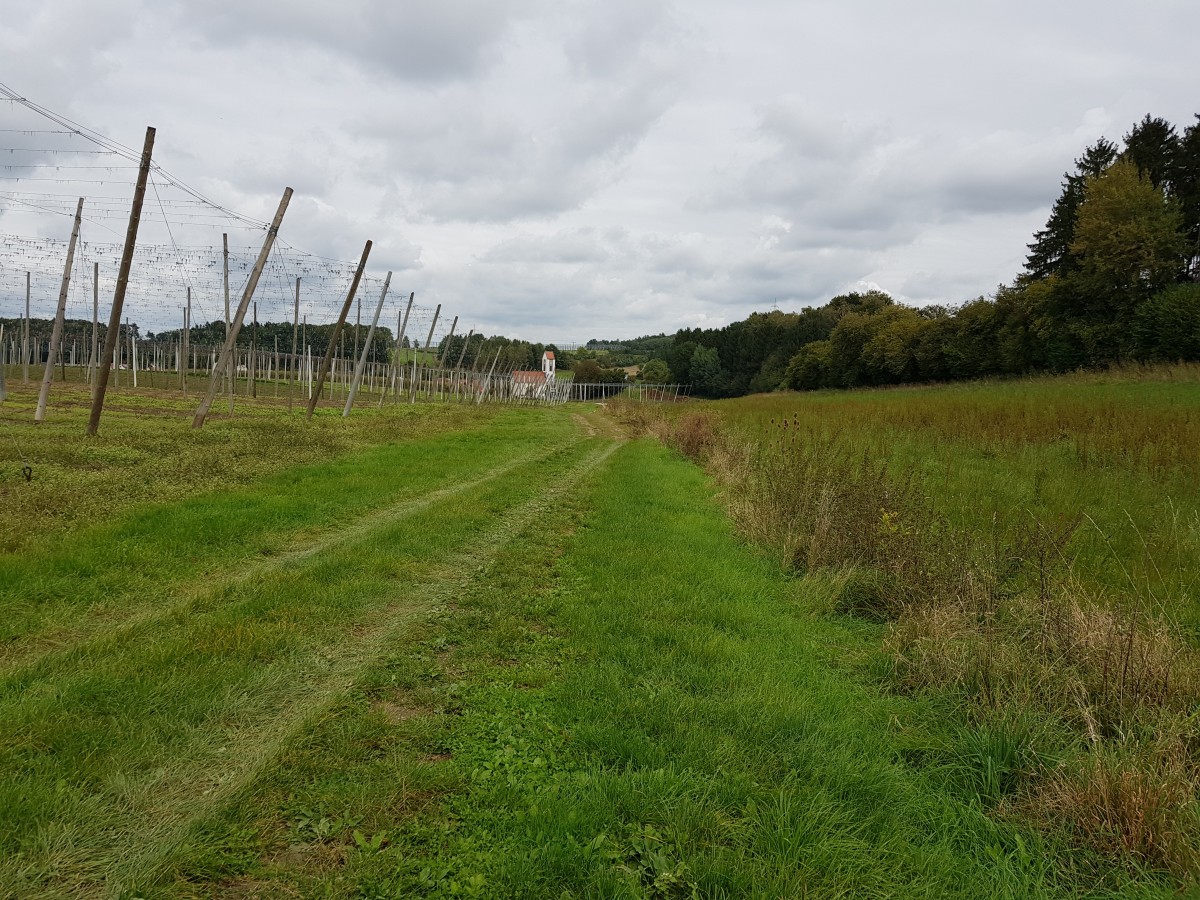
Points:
point(549, 354)
point(529, 377)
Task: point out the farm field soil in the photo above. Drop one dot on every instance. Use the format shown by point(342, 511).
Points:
point(512, 656)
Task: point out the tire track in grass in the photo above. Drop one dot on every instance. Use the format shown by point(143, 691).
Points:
point(190, 597)
point(84, 582)
point(130, 847)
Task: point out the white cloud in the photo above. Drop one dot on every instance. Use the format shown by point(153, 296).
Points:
point(612, 167)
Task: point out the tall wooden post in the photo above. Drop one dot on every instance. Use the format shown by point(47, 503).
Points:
point(362, 360)
point(295, 334)
point(56, 333)
point(25, 337)
point(337, 330)
point(95, 357)
point(235, 326)
point(396, 366)
point(252, 369)
point(463, 354)
point(442, 359)
point(229, 371)
point(186, 346)
point(132, 351)
point(3, 366)
point(412, 397)
point(114, 316)
point(488, 381)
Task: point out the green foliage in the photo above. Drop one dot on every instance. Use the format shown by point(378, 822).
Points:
point(705, 367)
point(655, 372)
point(1167, 326)
point(1127, 238)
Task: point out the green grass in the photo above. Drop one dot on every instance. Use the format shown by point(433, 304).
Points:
point(455, 652)
point(1034, 548)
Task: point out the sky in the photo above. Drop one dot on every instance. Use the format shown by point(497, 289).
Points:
point(577, 169)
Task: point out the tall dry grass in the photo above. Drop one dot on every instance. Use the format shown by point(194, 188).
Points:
point(994, 615)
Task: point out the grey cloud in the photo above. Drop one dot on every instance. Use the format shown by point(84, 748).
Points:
point(424, 41)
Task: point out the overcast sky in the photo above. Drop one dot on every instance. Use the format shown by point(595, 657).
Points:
point(570, 169)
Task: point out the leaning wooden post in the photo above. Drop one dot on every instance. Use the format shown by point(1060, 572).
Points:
point(401, 324)
point(95, 358)
point(337, 330)
point(442, 359)
point(362, 360)
point(59, 315)
point(461, 356)
point(235, 326)
point(488, 381)
point(114, 316)
point(412, 397)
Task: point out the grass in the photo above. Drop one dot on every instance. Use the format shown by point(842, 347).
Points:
point(1025, 573)
point(454, 652)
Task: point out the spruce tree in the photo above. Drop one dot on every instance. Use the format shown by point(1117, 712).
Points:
point(1050, 253)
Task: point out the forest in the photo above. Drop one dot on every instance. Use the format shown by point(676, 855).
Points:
point(1111, 278)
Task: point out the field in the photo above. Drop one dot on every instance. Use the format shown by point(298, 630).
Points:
point(455, 651)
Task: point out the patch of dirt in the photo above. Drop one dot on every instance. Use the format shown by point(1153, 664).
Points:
point(247, 888)
point(307, 858)
point(438, 757)
point(397, 712)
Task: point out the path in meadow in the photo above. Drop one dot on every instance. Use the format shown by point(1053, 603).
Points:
point(128, 717)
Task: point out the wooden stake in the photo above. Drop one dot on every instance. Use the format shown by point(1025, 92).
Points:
point(56, 333)
point(295, 334)
point(187, 341)
point(235, 326)
point(397, 365)
point(252, 369)
point(461, 356)
point(229, 373)
point(362, 360)
point(114, 317)
point(25, 337)
point(337, 330)
point(442, 359)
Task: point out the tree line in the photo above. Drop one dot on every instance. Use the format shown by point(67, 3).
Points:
point(1112, 277)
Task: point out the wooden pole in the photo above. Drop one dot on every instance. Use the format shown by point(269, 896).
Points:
point(114, 316)
point(442, 359)
point(362, 360)
point(187, 341)
point(235, 326)
point(488, 382)
point(3, 366)
point(132, 350)
point(412, 397)
point(229, 373)
point(94, 361)
point(295, 334)
point(252, 369)
point(56, 333)
point(337, 330)
point(25, 337)
point(399, 339)
point(463, 354)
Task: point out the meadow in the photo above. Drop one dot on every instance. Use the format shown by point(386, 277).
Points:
point(461, 651)
point(1031, 550)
